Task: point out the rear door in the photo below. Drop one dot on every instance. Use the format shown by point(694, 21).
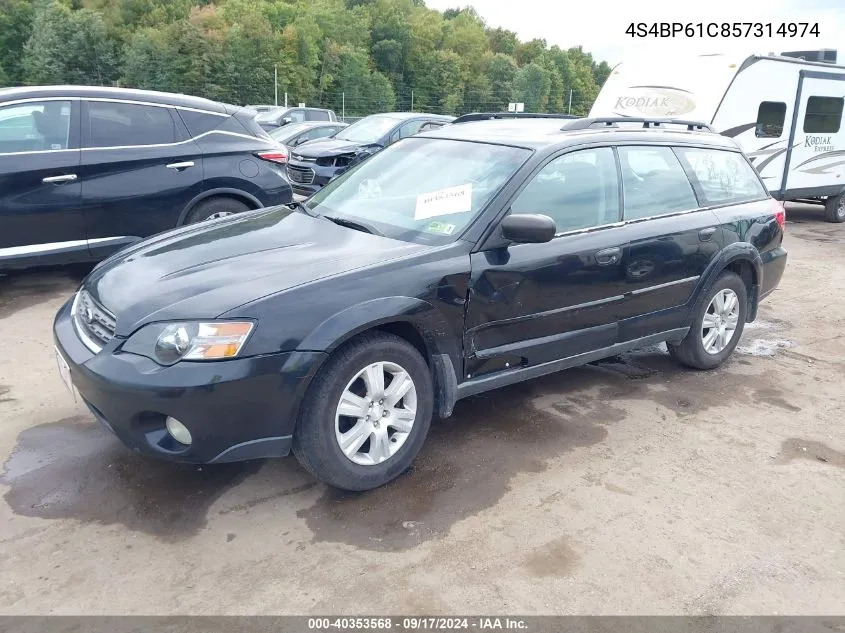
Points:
point(40, 193)
point(818, 145)
point(672, 240)
point(139, 170)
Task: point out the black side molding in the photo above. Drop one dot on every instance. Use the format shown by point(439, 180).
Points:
point(512, 376)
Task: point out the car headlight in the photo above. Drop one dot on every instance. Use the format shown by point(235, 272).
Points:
point(168, 343)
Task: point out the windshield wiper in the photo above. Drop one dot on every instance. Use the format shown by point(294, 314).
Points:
point(355, 224)
point(299, 206)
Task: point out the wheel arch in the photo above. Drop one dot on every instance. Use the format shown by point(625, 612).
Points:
point(219, 192)
point(742, 259)
point(414, 320)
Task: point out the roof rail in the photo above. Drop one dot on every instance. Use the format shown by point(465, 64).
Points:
point(607, 122)
point(486, 116)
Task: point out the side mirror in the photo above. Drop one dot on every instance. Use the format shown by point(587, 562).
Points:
point(286, 120)
point(528, 228)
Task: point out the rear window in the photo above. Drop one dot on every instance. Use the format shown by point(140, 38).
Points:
point(200, 122)
point(723, 177)
point(654, 182)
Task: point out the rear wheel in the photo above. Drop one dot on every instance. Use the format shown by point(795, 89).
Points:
point(717, 327)
point(834, 208)
point(366, 414)
point(215, 208)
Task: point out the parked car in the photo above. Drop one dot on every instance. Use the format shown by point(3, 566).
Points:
point(298, 133)
point(85, 171)
point(262, 108)
point(278, 117)
point(450, 263)
point(313, 164)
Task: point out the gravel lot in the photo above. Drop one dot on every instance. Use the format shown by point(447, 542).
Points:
point(632, 486)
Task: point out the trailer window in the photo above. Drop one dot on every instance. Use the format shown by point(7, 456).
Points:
point(770, 118)
point(824, 115)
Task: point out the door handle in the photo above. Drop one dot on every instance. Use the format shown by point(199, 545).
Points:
point(184, 165)
point(608, 256)
point(59, 179)
point(705, 234)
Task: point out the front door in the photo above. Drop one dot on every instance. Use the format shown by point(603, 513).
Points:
point(40, 213)
point(818, 153)
point(533, 303)
point(138, 172)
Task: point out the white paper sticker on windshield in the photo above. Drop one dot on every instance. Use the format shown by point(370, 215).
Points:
point(444, 202)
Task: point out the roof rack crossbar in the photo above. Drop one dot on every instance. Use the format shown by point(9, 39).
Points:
point(607, 122)
point(486, 116)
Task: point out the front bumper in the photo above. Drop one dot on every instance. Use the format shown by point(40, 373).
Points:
point(321, 177)
point(235, 410)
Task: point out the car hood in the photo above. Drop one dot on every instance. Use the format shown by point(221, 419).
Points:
point(321, 148)
point(206, 270)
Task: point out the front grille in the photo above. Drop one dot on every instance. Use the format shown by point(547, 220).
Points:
point(302, 175)
point(94, 323)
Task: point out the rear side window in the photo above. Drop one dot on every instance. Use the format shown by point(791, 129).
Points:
point(318, 115)
point(200, 122)
point(723, 177)
point(116, 124)
point(770, 118)
point(654, 182)
point(824, 115)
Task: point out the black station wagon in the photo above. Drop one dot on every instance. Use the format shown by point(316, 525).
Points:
point(339, 327)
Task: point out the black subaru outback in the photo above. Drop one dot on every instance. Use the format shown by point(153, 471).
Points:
point(338, 328)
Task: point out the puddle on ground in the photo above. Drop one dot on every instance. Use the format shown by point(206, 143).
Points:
point(796, 448)
point(74, 469)
point(556, 558)
point(22, 290)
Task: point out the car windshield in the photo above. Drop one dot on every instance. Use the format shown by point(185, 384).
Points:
point(369, 129)
point(270, 116)
point(287, 132)
point(398, 193)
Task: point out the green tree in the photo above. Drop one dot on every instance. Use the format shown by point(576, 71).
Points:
point(69, 47)
point(533, 83)
point(15, 29)
point(501, 72)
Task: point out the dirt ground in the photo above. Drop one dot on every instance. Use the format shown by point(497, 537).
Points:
point(627, 487)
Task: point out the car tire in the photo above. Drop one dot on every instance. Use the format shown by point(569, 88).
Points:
point(705, 347)
point(349, 375)
point(214, 208)
point(834, 208)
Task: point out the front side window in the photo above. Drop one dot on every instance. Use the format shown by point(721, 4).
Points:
point(578, 190)
point(421, 190)
point(770, 118)
point(35, 126)
point(654, 182)
point(824, 115)
point(724, 177)
point(116, 124)
point(296, 116)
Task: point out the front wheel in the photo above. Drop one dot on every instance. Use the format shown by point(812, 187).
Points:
point(367, 413)
point(717, 327)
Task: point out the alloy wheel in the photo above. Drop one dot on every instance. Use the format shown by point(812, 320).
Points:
point(376, 413)
point(720, 321)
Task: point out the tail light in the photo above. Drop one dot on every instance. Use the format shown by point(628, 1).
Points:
point(274, 156)
point(780, 214)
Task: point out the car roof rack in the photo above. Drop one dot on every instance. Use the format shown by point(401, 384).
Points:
point(486, 116)
point(612, 122)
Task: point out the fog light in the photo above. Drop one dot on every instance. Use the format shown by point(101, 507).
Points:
point(178, 431)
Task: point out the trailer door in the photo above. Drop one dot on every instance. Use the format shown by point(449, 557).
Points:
point(815, 162)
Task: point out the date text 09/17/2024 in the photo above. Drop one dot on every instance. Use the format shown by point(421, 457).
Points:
point(417, 623)
point(723, 29)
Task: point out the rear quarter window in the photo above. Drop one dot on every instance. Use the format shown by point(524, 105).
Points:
point(200, 122)
point(723, 177)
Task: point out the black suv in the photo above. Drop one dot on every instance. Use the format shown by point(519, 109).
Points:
point(337, 328)
point(84, 171)
point(315, 163)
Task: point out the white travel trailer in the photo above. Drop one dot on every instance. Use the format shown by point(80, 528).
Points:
point(783, 110)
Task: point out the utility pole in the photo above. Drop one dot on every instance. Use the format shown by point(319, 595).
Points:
point(286, 100)
point(412, 100)
point(570, 102)
point(343, 107)
point(276, 84)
